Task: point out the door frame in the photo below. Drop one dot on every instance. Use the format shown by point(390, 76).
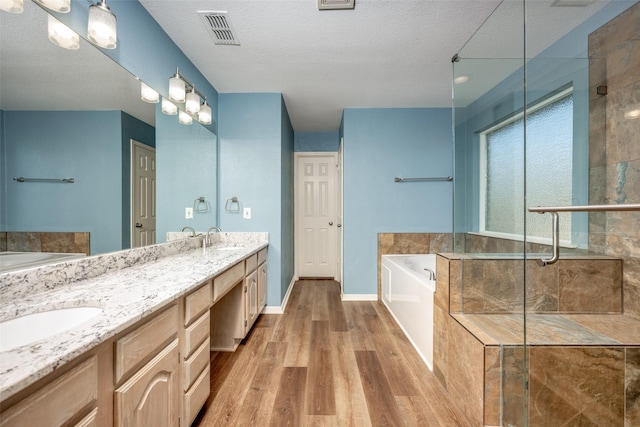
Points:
point(338, 194)
point(132, 222)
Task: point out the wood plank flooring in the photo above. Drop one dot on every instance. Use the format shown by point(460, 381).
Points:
point(325, 362)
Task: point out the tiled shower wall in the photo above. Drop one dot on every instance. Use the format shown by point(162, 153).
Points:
point(61, 242)
point(614, 146)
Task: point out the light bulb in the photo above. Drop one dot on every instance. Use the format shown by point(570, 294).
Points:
point(101, 29)
point(204, 116)
point(62, 6)
point(148, 94)
point(192, 104)
point(12, 6)
point(184, 118)
point(61, 35)
point(168, 107)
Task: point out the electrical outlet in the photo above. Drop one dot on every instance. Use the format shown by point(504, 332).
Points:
point(246, 213)
point(188, 213)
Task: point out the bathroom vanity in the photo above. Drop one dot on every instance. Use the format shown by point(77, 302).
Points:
point(144, 358)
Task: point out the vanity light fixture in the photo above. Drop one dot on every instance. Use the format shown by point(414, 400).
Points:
point(177, 90)
point(204, 116)
point(101, 29)
point(12, 6)
point(168, 107)
point(62, 6)
point(184, 118)
point(192, 103)
point(148, 94)
point(61, 35)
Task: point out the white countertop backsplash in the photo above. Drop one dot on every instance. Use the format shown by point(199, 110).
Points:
point(128, 286)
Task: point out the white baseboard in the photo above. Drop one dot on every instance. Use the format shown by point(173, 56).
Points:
point(359, 297)
point(274, 309)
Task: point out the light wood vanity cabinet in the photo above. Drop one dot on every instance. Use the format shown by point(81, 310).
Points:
point(262, 279)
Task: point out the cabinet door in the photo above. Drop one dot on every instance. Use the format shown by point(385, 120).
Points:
point(262, 286)
point(251, 300)
point(152, 396)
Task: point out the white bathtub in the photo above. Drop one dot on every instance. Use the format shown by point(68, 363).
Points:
point(10, 261)
point(407, 291)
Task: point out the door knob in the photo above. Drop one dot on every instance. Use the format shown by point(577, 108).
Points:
point(330, 222)
point(138, 225)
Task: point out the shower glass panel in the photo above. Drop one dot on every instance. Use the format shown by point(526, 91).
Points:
point(546, 112)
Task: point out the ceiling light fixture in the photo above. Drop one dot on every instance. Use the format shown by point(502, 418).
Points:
point(12, 6)
point(184, 118)
point(61, 35)
point(62, 6)
point(168, 107)
point(148, 94)
point(101, 29)
point(205, 115)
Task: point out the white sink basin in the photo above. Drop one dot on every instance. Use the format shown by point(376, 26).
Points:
point(30, 328)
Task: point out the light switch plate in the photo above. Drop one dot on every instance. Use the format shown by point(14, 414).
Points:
point(246, 213)
point(188, 213)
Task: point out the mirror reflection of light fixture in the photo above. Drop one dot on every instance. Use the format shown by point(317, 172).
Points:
point(168, 107)
point(61, 35)
point(148, 94)
point(184, 118)
point(192, 103)
point(177, 90)
point(62, 6)
point(205, 115)
point(12, 6)
point(101, 29)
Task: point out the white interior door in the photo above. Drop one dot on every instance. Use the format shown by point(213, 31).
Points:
point(143, 195)
point(316, 215)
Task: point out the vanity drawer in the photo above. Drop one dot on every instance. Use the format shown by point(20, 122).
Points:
point(194, 365)
point(197, 396)
point(262, 256)
point(138, 345)
point(197, 302)
point(60, 400)
point(224, 282)
point(195, 334)
point(251, 263)
point(90, 420)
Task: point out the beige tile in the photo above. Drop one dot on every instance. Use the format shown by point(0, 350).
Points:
point(455, 286)
point(581, 386)
point(441, 321)
point(632, 386)
point(622, 328)
point(513, 385)
point(441, 297)
point(472, 286)
point(503, 286)
point(593, 286)
point(492, 385)
point(541, 288)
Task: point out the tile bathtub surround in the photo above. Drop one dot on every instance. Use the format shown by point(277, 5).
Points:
point(46, 241)
point(133, 284)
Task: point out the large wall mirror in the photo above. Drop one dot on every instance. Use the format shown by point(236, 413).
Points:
point(74, 114)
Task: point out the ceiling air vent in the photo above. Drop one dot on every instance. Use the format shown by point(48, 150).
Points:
point(335, 4)
point(219, 27)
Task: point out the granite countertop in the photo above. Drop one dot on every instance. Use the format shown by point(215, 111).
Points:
point(125, 294)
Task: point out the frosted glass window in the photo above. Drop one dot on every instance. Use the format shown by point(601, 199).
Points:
point(549, 170)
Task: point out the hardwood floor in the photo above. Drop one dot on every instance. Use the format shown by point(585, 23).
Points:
point(325, 362)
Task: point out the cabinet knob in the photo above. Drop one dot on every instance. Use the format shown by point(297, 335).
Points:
point(330, 222)
point(138, 225)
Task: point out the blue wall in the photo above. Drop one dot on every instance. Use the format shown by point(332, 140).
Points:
point(87, 146)
point(379, 145)
point(186, 159)
point(316, 141)
point(256, 158)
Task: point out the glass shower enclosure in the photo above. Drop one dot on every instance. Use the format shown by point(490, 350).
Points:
point(541, 325)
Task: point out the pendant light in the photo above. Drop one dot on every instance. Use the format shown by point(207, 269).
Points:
point(12, 6)
point(61, 35)
point(101, 29)
point(192, 103)
point(184, 118)
point(177, 90)
point(149, 95)
point(62, 6)
point(204, 116)
point(168, 107)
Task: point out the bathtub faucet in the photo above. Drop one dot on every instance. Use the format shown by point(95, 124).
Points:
point(432, 274)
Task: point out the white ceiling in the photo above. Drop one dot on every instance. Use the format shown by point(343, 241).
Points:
point(383, 53)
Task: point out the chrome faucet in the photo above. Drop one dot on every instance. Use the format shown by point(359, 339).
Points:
point(207, 237)
point(432, 274)
point(193, 232)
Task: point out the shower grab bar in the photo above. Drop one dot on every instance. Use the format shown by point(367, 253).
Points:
point(65, 180)
point(443, 178)
point(555, 222)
